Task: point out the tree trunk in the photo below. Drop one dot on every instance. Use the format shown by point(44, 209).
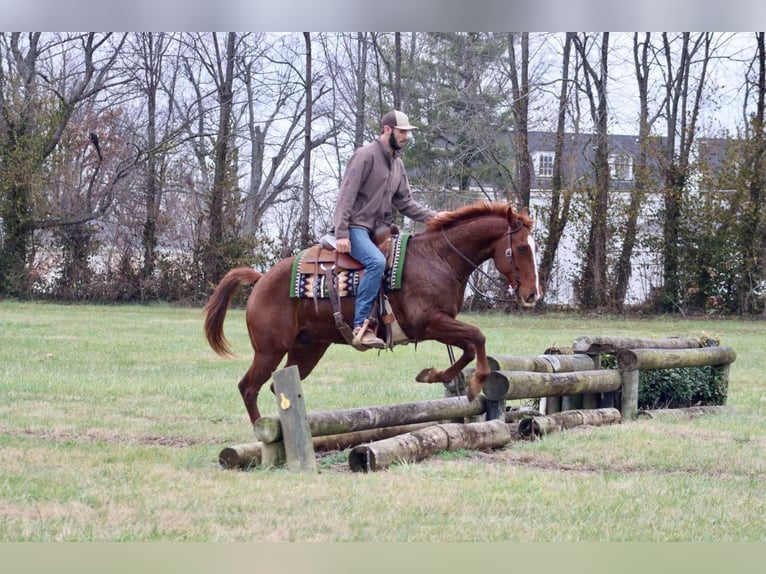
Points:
point(215, 263)
point(593, 282)
point(624, 269)
point(682, 105)
point(559, 214)
point(305, 235)
point(751, 232)
point(361, 89)
point(520, 93)
point(152, 195)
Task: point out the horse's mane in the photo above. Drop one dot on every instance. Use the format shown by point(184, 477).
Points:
point(447, 218)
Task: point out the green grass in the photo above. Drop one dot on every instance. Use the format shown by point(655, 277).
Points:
point(112, 418)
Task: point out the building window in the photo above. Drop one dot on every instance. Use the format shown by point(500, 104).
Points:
point(621, 167)
point(543, 161)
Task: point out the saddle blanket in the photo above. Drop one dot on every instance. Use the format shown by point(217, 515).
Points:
point(314, 285)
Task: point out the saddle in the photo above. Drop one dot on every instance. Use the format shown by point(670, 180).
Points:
point(320, 257)
point(323, 259)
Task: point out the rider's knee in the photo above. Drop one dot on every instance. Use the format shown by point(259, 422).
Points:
point(377, 264)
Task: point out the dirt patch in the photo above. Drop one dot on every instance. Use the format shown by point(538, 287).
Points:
point(107, 436)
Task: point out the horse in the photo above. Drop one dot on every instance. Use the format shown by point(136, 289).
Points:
point(438, 264)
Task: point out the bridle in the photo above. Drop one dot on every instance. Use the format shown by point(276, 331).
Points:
point(508, 254)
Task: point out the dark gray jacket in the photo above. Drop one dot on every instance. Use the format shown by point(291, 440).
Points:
point(374, 181)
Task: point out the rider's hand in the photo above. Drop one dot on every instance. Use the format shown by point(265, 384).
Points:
point(343, 245)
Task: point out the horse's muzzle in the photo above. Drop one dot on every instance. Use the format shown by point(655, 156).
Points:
point(528, 301)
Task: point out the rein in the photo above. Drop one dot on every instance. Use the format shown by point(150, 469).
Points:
point(508, 253)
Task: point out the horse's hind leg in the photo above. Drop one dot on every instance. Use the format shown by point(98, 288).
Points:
point(259, 372)
point(306, 357)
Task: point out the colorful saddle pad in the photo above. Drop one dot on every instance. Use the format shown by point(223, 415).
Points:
point(314, 284)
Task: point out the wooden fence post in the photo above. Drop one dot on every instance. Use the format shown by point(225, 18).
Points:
point(629, 404)
point(299, 450)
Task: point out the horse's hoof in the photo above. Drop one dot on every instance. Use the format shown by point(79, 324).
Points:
point(470, 394)
point(424, 376)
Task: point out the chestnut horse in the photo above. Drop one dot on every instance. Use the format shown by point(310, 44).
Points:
point(438, 264)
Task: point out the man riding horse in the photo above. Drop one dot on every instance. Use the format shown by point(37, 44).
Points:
point(374, 181)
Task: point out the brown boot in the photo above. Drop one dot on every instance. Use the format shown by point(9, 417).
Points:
point(365, 338)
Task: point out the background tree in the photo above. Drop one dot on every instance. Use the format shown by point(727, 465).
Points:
point(686, 60)
point(276, 114)
point(222, 70)
point(461, 85)
point(305, 236)
point(593, 286)
point(752, 231)
point(43, 81)
point(519, 73)
point(643, 181)
point(561, 197)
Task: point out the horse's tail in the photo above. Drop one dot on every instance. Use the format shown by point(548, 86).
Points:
point(219, 303)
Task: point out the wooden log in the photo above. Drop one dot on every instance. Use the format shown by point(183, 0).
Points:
point(590, 401)
point(322, 423)
point(526, 385)
point(548, 362)
point(420, 444)
point(456, 387)
point(603, 344)
point(518, 363)
point(493, 410)
point(268, 429)
point(572, 402)
point(273, 454)
point(552, 405)
point(648, 359)
point(629, 400)
point(542, 363)
point(240, 455)
point(534, 427)
point(299, 450)
point(351, 439)
point(515, 415)
point(685, 413)
point(248, 455)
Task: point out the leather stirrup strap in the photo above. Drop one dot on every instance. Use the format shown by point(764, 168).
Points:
point(337, 314)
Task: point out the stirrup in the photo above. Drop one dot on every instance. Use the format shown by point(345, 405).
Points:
point(364, 338)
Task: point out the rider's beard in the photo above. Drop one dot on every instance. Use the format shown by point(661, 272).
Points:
point(393, 142)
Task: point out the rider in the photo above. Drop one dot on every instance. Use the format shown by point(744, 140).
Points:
point(375, 179)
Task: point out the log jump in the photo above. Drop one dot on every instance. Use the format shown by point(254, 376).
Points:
point(379, 436)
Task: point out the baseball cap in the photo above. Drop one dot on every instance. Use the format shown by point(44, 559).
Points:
point(398, 120)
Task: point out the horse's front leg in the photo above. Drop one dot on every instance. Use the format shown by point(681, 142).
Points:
point(470, 340)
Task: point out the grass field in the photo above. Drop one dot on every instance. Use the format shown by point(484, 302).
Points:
point(112, 418)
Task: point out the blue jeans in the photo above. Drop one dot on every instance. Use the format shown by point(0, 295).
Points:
point(364, 250)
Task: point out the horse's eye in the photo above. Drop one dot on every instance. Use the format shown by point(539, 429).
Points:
point(522, 249)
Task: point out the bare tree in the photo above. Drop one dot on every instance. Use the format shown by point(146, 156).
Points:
point(559, 213)
point(274, 163)
point(520, 93)
point(44, 80)
point(223, 64)
point(751, 232)
point(146, 65)
point(686, 65)
point(303, 223)
point(593, 281)
point(642, 56)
